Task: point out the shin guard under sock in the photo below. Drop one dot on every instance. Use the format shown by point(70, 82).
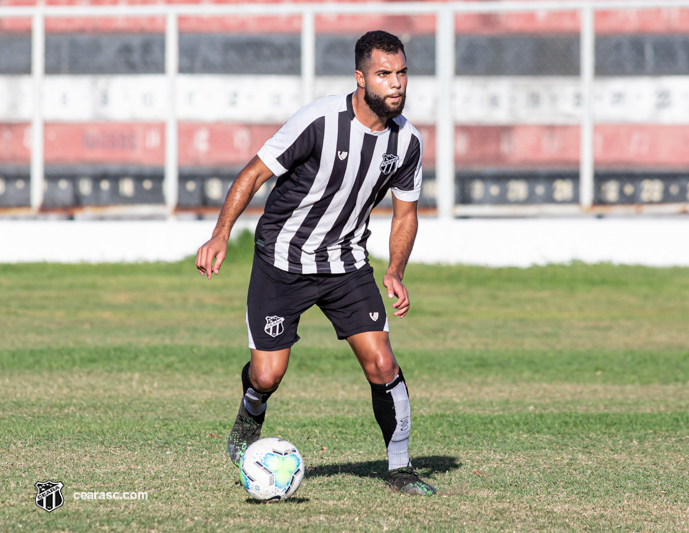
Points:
point(392, 411)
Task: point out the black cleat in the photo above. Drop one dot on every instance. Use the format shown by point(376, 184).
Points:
point(246, 431)
point(407, 481)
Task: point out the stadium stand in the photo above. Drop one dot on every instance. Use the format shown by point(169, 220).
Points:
point(517, 138)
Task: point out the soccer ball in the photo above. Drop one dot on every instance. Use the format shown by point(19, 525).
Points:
point(271, 469)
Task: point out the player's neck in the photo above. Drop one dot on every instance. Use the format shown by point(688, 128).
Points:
point(365, 115)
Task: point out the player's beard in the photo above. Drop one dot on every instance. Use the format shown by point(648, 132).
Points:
point(380, 107)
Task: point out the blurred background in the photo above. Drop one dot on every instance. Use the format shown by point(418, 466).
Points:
point(115, 109)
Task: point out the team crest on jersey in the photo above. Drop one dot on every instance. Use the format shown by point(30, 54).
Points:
point(389, 163)
point(49, 496)
point(342, 155)
point(274, 326)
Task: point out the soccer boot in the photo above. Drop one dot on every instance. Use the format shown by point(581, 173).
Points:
point(407, 481)
point(246, 431)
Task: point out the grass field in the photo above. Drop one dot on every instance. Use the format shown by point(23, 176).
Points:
point(548, 398)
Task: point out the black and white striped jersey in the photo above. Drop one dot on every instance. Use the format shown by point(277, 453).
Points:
point(332, 171)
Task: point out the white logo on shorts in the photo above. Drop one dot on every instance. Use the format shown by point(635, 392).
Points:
point(274, 326)
point(374, 316)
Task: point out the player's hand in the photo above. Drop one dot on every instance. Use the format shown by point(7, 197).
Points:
point(216, 248)
point(395, 288)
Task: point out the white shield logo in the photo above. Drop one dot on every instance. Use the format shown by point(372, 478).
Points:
point(342, 155)
point(389, 163)
point(274, 326)
point(374, 316)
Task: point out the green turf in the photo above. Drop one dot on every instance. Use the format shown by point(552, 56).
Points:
point(551, 398)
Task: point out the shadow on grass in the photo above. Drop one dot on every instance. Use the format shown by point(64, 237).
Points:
point(291, 500)
point(427, 465)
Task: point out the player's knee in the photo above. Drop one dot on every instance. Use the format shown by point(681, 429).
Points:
point(381, 369)
point(266, 381)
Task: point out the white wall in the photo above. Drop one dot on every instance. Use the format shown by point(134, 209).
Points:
point(524, 242)
point(492, 242)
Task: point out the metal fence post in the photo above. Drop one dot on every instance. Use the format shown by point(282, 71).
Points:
point(445, 126)
point(37, 172)
point(171, 179)
point(588, 72)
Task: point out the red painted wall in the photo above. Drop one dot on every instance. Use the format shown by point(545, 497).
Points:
point(224, 144)
point(622, 21)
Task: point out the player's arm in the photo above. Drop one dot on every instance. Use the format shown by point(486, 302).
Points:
point(405, 223)
point(249, 180)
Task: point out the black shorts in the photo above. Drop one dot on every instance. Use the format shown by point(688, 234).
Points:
point(277, 299)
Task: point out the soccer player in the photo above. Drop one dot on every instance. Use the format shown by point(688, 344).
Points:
point(335, 160)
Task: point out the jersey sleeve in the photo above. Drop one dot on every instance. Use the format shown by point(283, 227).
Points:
point(293, 143)
point(406, 185)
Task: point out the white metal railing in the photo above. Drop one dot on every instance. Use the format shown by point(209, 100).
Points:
point(37, 139)
point(588, 71)
point(445, 68)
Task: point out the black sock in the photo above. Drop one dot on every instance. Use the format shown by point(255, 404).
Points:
point(392, 412)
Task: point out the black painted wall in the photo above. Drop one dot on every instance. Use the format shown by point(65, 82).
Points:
point(504, 55)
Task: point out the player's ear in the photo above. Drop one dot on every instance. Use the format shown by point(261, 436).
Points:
point(360, 79)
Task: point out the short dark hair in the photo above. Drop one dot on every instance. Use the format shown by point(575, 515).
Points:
point(375, 40)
